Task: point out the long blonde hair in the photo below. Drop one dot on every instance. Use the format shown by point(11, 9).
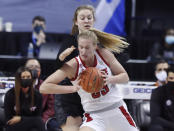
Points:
point(75, 29)
point(109, 41)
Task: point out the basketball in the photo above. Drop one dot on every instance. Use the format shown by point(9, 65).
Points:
point(91, 80)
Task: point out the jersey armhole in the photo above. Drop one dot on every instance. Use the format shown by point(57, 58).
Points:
point(102, 58)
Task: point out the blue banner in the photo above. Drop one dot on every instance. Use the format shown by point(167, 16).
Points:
point(110, 16)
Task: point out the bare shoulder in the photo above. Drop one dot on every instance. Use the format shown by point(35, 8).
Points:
point(106, 54)
point(71, 62)
point(69, 67)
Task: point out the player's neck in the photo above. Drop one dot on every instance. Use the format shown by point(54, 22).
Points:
point(90, 62)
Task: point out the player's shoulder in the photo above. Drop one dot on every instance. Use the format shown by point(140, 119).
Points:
point(104, 52)
point(72, 62)
point(107, 55)
point(70, 67)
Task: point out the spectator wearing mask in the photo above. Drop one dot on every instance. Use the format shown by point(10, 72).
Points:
point(162, 105)
point(164, 49)
point(160, 72)
point(38, 35)
point(48, 112)
point(23, 104)
point(36, 38)
point(144, 108)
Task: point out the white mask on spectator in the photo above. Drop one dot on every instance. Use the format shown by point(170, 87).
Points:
point(169, 39)
point(161, 76)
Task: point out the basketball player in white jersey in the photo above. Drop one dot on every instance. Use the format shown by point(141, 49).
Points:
point(104, 110)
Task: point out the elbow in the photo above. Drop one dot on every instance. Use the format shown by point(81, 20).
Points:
point(127, 77)
point(42, 89)
point(126, 80)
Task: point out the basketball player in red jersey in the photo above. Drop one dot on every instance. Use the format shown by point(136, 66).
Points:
point(104, 110)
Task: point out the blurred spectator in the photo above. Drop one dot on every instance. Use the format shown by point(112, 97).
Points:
point(160, 72)
point(164, 49)
point(36, 38)
point(162, 105)
point(23, 104)
point(48, 113)
point(38, 35)
point(140, 108)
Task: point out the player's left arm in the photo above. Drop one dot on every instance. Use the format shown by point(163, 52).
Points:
point(119, 73)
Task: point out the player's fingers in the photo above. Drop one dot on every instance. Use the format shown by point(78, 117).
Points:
point(10, 122)
point(78, 81)
point(102, 72)
point(72, 47)
point(105, 79)
point(78, 88)
point(104, 76)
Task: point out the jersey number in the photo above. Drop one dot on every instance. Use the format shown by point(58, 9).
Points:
point(103, 92)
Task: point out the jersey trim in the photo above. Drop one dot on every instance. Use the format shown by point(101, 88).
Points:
point(95, 62)
point(126, 114)
point(102, 58)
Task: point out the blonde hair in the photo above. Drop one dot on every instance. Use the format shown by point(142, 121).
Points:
point(109, 41)
point(88, 35)
point(75, 29)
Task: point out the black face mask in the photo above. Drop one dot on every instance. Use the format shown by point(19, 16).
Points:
point(26, 83)
point(34, 74)
point(38, 28)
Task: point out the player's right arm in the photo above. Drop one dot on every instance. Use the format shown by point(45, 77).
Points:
point(50, 85)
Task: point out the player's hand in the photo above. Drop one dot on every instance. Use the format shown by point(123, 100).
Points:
point(72, 121)
point(14, 120)
point(66, 53)
point(107, 79)
point(76, 86)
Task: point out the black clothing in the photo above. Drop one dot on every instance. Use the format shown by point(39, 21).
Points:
point(162, 108)
point(28, 114)
point(67, 43)
point(29, 124)
point(156, 128)
point(159, 51)
point(67, 104)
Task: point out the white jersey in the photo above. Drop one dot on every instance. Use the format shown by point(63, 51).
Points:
point(108, 95)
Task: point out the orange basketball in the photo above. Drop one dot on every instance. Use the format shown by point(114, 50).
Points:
point(91, 80)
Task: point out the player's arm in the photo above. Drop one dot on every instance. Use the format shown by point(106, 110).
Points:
point(119, 73)
point(50, 85)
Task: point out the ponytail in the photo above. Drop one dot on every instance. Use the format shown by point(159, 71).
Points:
point(111, 42)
